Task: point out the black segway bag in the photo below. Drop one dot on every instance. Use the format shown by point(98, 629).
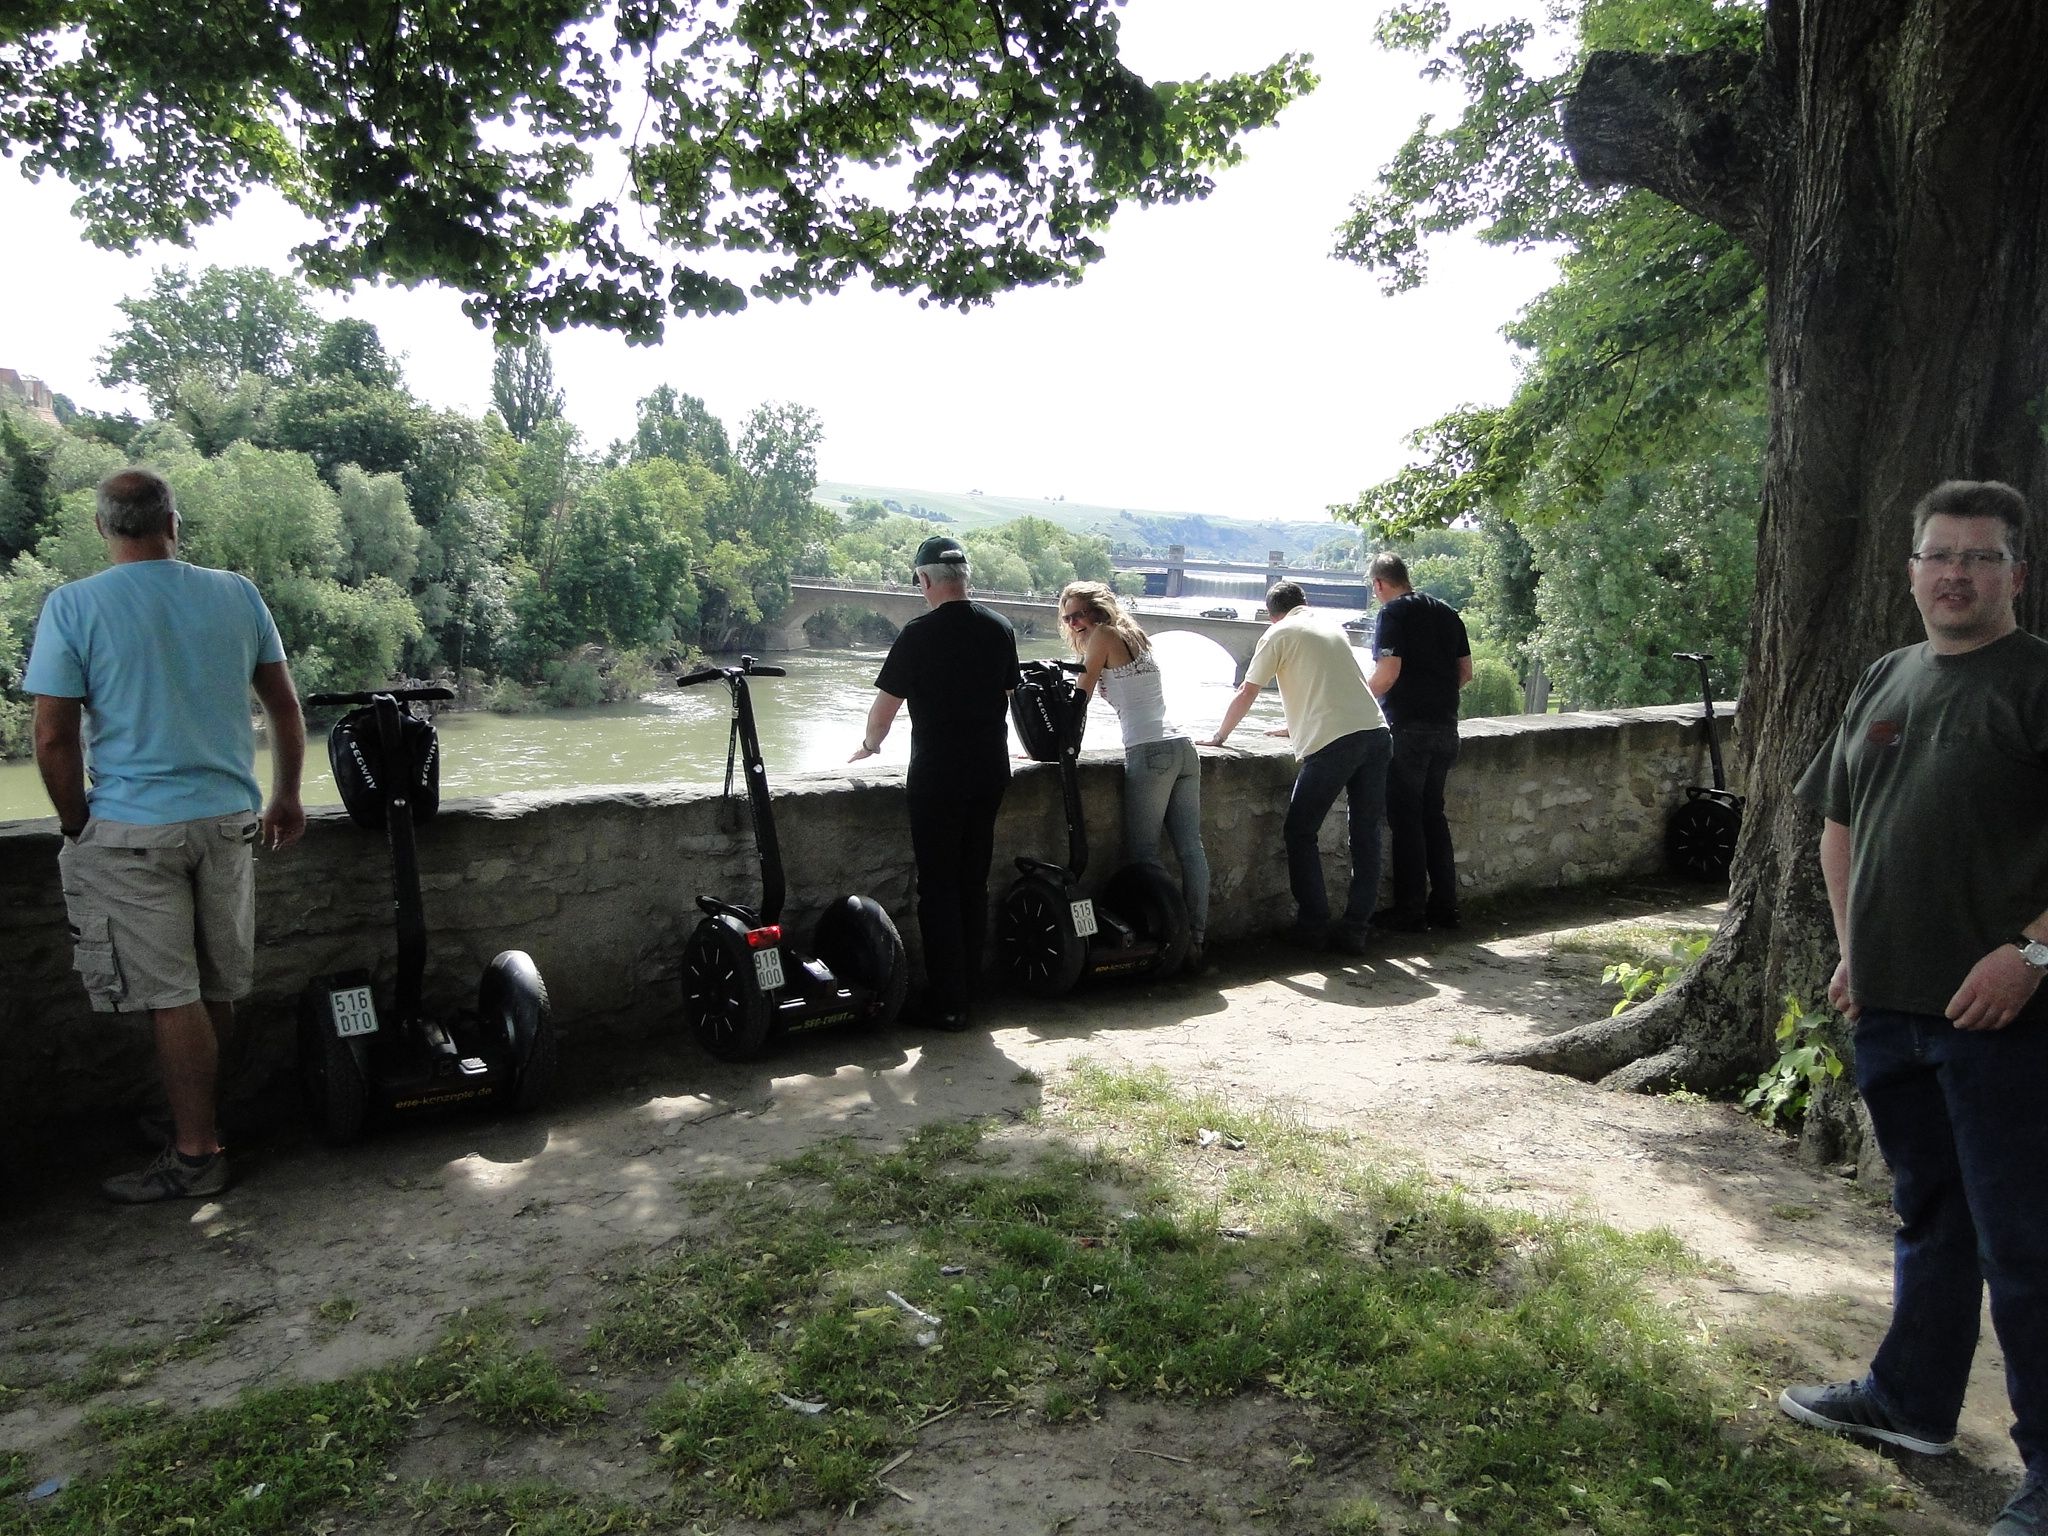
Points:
point(366, 781)
point(1049, 711)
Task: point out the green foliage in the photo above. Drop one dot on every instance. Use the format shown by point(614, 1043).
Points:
point(951, 151)
point(230, 321)
point(28, 497)
point(378, 534)
point(1665, 562)
point(1494, 690)
point(352, 350)
point(212, 417)
point(523, 386)
point(673, 425)
point(1806, 1061)
point(1641, 982)
point(1641, 401)
point(337, 421)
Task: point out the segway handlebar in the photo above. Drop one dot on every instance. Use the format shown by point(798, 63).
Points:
point(747, 668)
point(1689, 656)
point(371, 695)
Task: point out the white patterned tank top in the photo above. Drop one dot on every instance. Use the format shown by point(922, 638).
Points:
point(1135, 692)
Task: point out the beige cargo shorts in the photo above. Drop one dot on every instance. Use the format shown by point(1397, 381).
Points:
point(162, 916)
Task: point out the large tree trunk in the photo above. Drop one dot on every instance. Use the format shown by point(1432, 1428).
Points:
point(1887, 161)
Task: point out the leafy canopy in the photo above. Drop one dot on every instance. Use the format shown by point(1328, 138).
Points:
point(947, 148)
point(1653, 336)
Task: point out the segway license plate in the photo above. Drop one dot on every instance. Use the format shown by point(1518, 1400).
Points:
point(354, 1013)
point(768, 969)
point(1084, 918)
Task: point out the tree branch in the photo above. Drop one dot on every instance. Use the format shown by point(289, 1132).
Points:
point(1695, 128)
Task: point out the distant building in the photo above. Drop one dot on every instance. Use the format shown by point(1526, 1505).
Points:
point(31, 394)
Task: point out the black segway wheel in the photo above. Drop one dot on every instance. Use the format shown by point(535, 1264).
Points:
point(1699, 839)
point(331, 1080)
point(857, 939)
point(518, 1028)
point(722, 998)
point(1144, 896)
point(1041, 952)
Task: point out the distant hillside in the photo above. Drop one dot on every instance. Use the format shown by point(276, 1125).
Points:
point(1129, 530)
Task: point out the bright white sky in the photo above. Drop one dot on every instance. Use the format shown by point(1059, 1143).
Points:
point(1217, 361)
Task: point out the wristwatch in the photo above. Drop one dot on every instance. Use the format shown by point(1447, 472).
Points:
point(2033, 951)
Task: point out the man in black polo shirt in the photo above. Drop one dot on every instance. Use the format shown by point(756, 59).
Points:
point(1421, 659)
point(955, 665)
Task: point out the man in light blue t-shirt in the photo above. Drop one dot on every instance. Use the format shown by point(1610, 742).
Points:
point(143, 672)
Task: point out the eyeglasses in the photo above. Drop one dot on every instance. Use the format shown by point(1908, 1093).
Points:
point(1074, 619)
point(1968, 559)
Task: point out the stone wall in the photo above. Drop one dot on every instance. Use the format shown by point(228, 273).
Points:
point(600, 885)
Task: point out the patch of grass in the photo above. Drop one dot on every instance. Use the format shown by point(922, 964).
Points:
point(1470, 1041)
point(505, 1387)
point(275, 1460)
point(1790, 1212)
point(1356, 1517)
point(530, 1509)
point(1512, 1371)
point(14, 1474)
point(118, 1423)
point(116, 1366)
point(338, 1310)
point(1638, 944)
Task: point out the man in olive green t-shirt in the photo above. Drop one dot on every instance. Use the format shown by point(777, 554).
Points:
point(1934, 846)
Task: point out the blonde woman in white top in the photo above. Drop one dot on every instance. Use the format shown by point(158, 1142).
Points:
point(1162, 770)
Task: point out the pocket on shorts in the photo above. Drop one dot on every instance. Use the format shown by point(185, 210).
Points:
point(92, 954)
point(240, 829)
point(134, 836)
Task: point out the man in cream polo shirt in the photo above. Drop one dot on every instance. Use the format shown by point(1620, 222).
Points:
point(143, 672)
point(1342, 744)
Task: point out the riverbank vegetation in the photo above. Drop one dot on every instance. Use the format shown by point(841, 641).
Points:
point(394, 538)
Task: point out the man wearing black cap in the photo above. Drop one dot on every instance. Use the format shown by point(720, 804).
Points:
point(955, 665)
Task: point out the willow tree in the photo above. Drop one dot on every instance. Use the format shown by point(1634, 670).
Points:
point(1883, 164)
point(774, 148)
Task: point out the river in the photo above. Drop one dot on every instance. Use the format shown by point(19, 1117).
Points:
point(810, 720)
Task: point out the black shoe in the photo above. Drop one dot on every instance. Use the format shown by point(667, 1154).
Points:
point(1314, 936)
point(1393, 920)
point(1445, 918)
point(170, 1175)
point(1845, 1408)
point(928, 1010)
point(1346, 939)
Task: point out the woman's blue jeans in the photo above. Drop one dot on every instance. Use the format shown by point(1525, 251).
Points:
point(1356, 767)
point(1163, 791)
point(1962, 1117)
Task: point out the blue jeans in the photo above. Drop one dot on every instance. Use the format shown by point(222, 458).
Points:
point(1959, 1115)
point(1356, 767)
point(1163, 790)
point(1425, 867)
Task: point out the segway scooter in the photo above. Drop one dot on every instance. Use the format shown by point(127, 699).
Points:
point(362, 1054)
point(745, 981)
point(1699, 839)
point(1051, 936)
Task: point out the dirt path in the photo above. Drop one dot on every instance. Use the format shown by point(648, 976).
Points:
point(412, 1227)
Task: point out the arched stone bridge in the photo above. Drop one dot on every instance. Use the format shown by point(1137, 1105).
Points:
point(1033, 615)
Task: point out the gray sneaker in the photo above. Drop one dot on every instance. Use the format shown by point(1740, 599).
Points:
point(170, 1175)
point(1845, 1408)
point(2027, 1514)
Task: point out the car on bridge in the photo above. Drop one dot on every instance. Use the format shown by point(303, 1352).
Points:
point(1219, 613)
